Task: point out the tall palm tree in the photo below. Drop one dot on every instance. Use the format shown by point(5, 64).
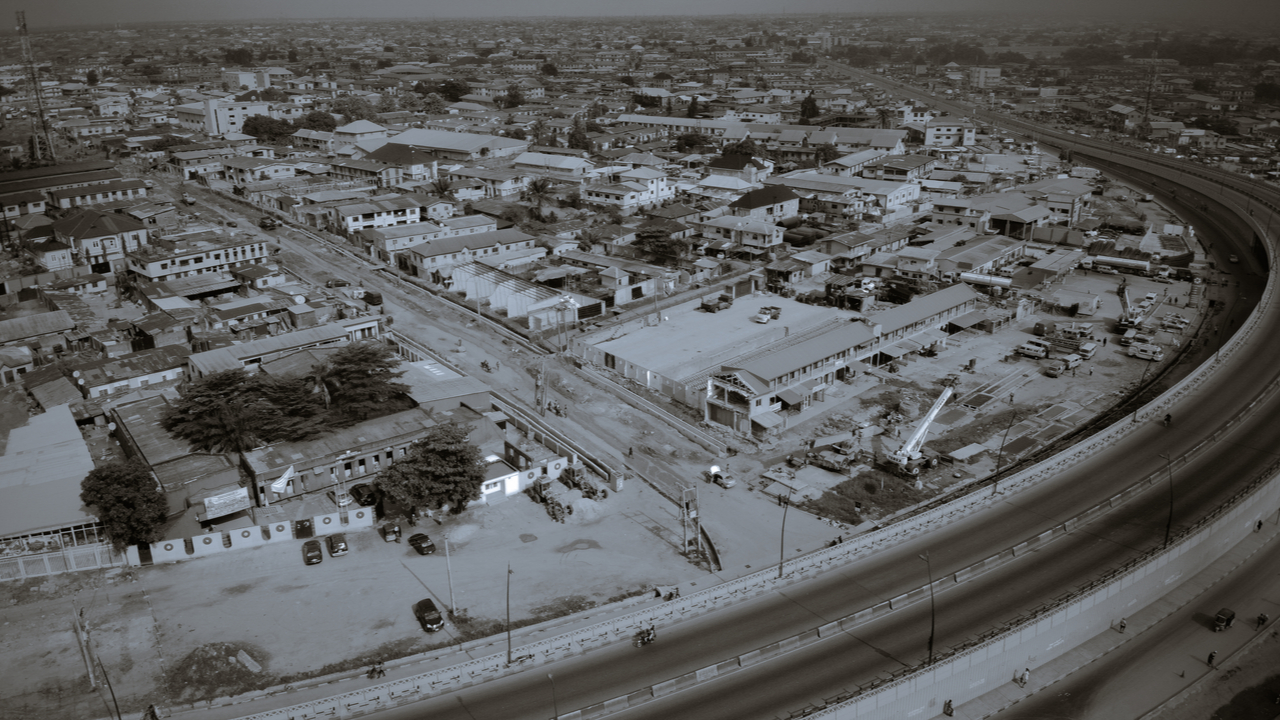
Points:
point(885, 116)
point(539, 191)
point(441, 186)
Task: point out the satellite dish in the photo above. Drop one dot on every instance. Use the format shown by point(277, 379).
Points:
point(75, 373)
point(111, 426)
point(80, 381)
point(299, 299)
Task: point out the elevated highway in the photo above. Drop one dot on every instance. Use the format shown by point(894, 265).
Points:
point(808, 676)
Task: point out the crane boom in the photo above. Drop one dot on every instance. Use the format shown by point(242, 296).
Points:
point(910, 450)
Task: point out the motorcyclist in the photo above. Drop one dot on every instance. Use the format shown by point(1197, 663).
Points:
point(1168, 419)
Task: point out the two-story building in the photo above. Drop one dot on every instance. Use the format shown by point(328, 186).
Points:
point(772, 204)
point(101, 240)
point(248, 170)
point(949, 132)
point(195, 254)
point(754, 397)
point(744, 231)
point(435, 259)
point(377, 212)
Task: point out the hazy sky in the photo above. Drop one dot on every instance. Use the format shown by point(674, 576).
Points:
point(79, 12)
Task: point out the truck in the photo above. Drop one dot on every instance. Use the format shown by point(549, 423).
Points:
point(716, 303)
point(767, 313)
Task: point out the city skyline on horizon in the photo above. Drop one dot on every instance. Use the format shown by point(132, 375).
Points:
point(90, 13)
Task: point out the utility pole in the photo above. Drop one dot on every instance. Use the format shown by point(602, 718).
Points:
point(1168, 526)
point(448, 568)
point(508, 613)
point(39, 123)
point(933, 608)
point(782, 536)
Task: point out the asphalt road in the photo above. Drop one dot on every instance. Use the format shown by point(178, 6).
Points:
point(1169, 656)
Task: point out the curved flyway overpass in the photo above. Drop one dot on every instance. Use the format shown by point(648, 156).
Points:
point(1227, 412)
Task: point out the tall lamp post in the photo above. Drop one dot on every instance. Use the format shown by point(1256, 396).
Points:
point(933, 607)
point(1168, 526)
point(555, 704)
point(782, 537)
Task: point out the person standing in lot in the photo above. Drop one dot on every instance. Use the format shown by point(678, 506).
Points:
point(1212, 656)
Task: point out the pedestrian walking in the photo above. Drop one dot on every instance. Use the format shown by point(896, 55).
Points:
point(1025, 677)
point(947, 709)
point(1262, 620)
point(1123, 624)
point(1104, 342)
point(1213, 656)
point(1090, 371)
point(1258, 527)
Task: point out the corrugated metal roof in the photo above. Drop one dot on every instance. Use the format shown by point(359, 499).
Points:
point(40, 475)
point(31, 326)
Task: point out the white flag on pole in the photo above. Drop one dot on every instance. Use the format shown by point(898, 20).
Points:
point(283, 482)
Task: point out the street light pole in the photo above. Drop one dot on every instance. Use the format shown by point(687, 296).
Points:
point(933, 608)
point(449, 573)
point(508, 613)
point(555, 705)
point(1168, 526)
point(782, 539)
point(1000, 457)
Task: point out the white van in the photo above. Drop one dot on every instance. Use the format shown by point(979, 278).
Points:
point(1087, 350)
point(1147, 352)
point(1035, 348)
point(1128, 337)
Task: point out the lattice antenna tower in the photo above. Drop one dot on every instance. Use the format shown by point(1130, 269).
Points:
point(39, 123)
point(1151, 83)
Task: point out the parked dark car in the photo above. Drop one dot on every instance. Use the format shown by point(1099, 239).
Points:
point(429, 615)
point(364, 495)
point(391, 532)
point(422, 543)
point(337, 284)
point(311, 552)
point(337, 545)
point(303, 529)
point(267, 223)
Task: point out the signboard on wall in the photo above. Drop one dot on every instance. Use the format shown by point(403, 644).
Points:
point(226, 503)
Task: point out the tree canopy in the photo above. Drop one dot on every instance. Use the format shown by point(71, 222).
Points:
point(353, 108)
point(127, 500)
point(361, 382)
point(267, 128)
point(442, 469)
point(809, 107)
point(317, 120)
point(234, 411)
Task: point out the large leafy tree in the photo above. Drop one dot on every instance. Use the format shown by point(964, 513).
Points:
point(578, 139)
point(233, 411)
point(267, 128)
point(442, 469)
point(452, 90)
point(360, 380)
point(809, 107)
point(353, 108)
point(317, 120)
point(127, 500)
